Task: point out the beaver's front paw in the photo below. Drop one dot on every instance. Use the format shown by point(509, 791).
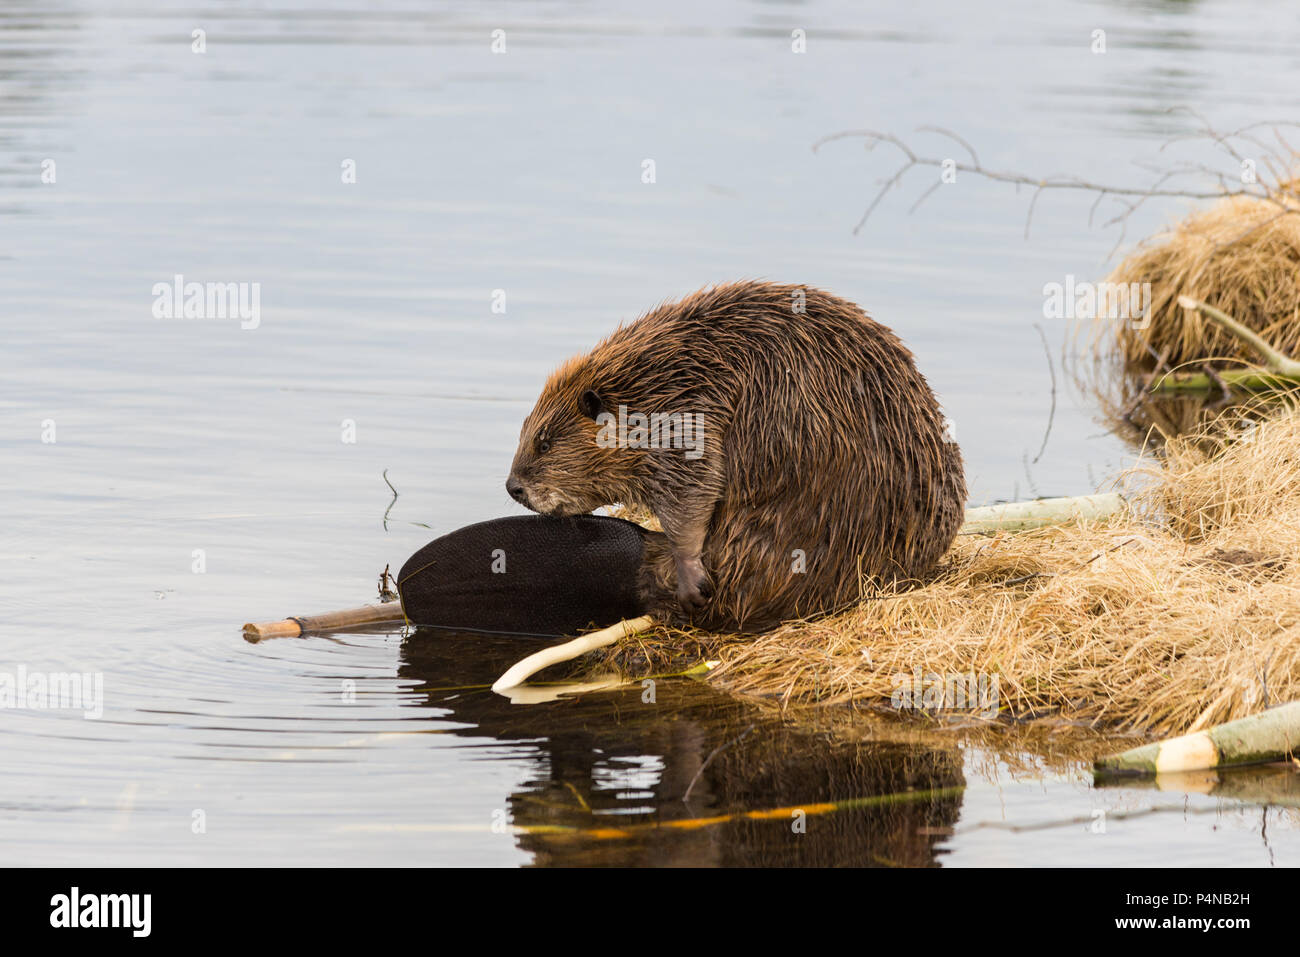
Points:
point(693, 588)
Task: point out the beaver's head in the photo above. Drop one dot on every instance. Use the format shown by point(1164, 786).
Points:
point(563, 465)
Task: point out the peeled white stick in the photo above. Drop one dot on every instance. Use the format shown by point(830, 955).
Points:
point(1018, 516)
point(569, 650)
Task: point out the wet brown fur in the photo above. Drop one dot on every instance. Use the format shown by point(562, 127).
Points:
point(820, 436)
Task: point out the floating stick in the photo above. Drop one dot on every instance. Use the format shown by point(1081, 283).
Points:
point(386, 613)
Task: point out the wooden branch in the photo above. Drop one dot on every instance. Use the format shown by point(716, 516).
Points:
point(1276, 362)
point(389, 612)
point(1129, 198)
point(1244, 380)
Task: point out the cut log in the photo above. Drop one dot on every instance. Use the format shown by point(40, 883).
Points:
point(1271, 735)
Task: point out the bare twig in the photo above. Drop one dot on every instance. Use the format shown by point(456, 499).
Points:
point(1267, 188)
point(1051, 417)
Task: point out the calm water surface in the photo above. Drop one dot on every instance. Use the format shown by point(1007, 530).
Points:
point(179, 441)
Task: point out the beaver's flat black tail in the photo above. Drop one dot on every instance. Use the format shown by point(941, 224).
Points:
point(527, 575)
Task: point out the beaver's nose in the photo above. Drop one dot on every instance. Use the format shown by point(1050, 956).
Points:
point(516, 490)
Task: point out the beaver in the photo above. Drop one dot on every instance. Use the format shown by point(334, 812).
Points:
point(785, 441)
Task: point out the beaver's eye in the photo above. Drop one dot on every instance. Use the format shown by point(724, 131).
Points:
point(543, 445)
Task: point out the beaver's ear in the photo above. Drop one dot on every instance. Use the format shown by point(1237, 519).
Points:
point(591, 404)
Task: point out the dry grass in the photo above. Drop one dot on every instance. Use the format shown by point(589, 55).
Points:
point(1182, 613)
point(1241, 255)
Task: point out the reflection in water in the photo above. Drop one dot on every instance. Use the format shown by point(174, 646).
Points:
point(677, 781)
point(1276, 784)
point(35, 75)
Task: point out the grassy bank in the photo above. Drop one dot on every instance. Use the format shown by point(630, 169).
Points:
point(1181, 612)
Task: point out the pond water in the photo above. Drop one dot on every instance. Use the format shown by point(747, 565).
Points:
point(166, 479)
